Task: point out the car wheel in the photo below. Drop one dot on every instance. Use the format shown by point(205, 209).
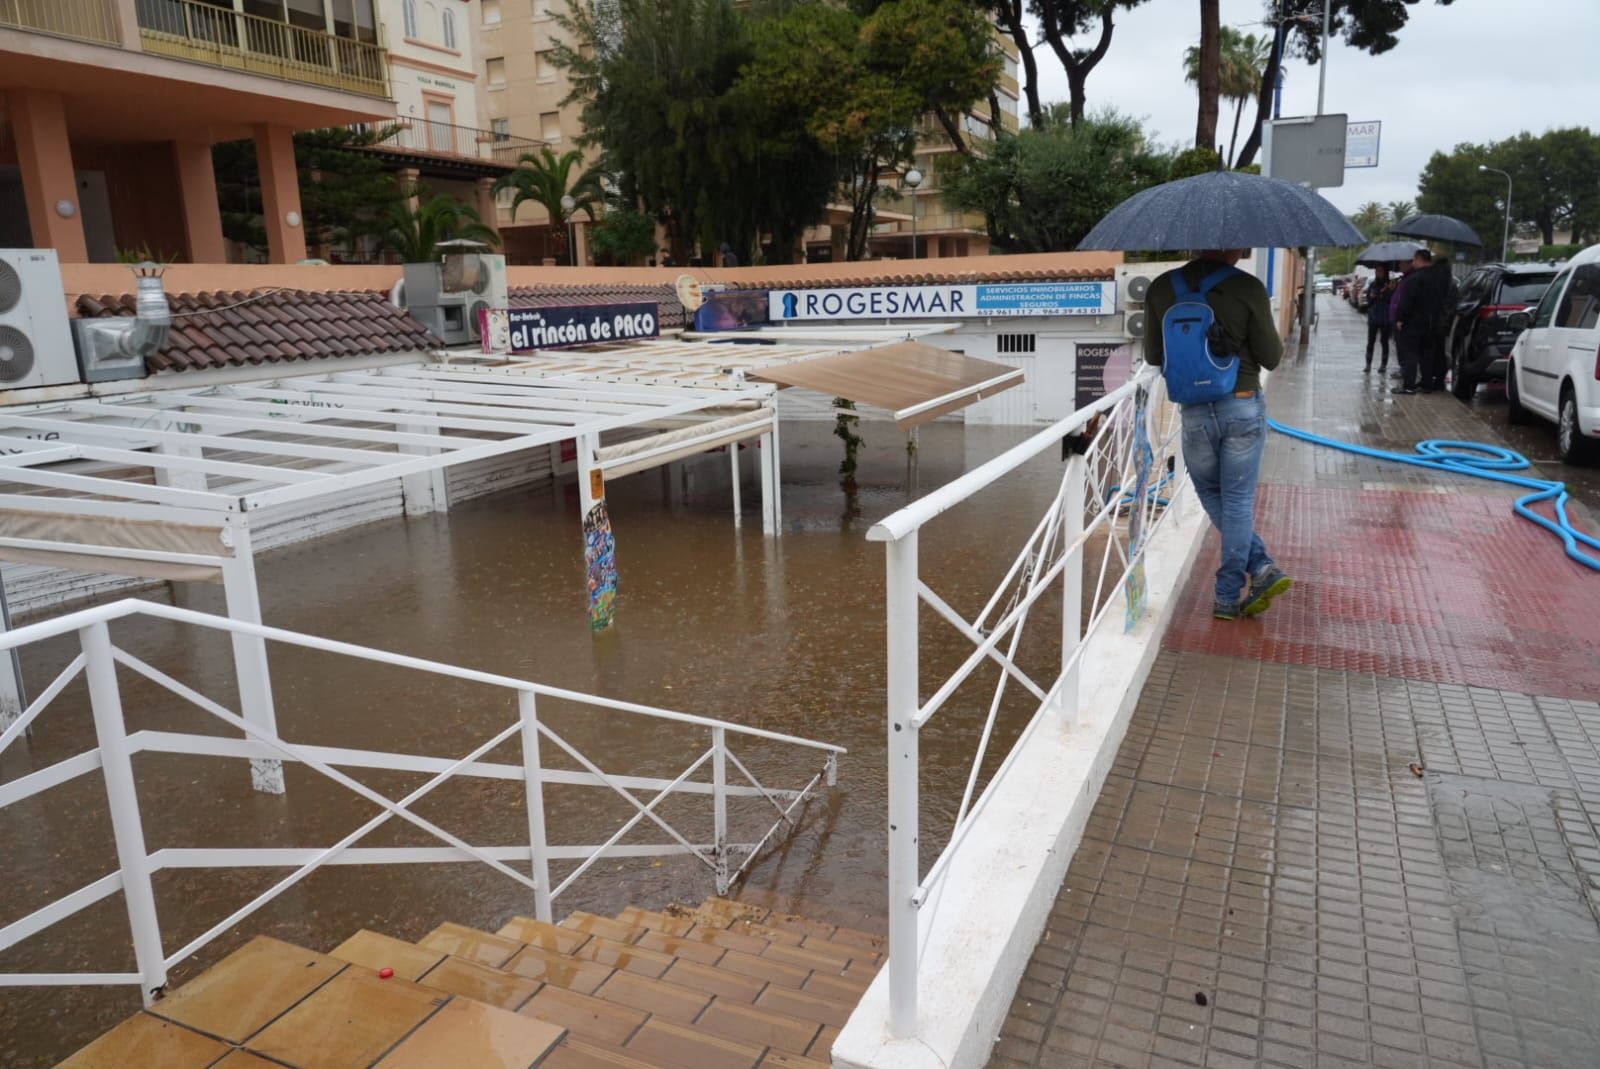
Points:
point(1515, 413)
point(1575, 448)
point(1462, 384)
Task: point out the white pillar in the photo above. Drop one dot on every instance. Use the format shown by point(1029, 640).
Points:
point(424, 491)
point(777, 473)
point(249, 652)
point(733, 462)
point(904, 864)
point(533, 784)
point(719, 805)
point(13, 698)
point(587, 471)
point(769, 516)
point(1072, 585)
point(179, 480)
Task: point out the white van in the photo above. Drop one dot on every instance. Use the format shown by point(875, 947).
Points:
point(1555, 363)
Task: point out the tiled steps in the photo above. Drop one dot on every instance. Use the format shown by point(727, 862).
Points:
point(721, 986)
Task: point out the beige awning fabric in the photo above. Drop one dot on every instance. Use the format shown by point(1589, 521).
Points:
point(651, 451)
point(143, 548)
point(916, 382)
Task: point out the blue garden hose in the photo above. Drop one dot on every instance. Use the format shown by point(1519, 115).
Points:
point(1481, 461)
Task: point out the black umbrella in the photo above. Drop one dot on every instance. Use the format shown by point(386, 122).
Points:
point(1385, 253)
point(1436, 228)
point(1222, 210)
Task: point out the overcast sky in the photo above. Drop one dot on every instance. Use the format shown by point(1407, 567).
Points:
point(1478, 70)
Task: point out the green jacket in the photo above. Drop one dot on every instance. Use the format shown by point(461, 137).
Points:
point(1242, 308)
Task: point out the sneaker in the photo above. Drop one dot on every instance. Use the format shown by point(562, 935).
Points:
point(1367, 370)
point(1404, 389)
point(1266, 586)
point(1225, 610)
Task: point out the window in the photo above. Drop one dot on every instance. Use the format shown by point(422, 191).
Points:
point(352, 20)
point(1524, 288)
point(550, 126)
point(1580, 308)
point(308, 15)
point(408, 15)
point(500, 128)
point(449, 26)
point(495, 71)
point(491, 12)
point(1547, 304)
point(1015, 343)
point(544, 69)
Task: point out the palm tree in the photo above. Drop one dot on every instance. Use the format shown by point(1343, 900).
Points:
point(1399, 210)
point(414, 234)
point(546, 178)
point(1371, 218)
point(1243, 57)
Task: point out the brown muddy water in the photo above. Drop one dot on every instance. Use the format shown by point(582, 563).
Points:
point(784, 634)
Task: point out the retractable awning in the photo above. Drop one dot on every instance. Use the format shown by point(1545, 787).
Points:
point(916, 382)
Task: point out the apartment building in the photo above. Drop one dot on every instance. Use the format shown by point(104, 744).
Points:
point(109, 109)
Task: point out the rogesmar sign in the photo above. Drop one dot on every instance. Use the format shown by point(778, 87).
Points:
point(969, 301)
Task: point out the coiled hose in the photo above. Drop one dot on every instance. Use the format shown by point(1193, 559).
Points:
point(1481, 461)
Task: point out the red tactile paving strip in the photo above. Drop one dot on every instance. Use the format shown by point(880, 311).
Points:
point(1446, 588)
point(237, 329)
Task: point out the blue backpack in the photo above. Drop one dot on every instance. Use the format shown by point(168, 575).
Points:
point(1195, 374)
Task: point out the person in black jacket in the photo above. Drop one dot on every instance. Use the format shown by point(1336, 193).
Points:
point(1436, 360)
point(1416, 320)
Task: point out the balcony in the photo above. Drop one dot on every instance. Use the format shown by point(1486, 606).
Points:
point(219, 37)
point(84, 20)
point(445, 150)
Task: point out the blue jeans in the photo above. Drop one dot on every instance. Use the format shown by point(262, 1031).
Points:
point(1222, 446)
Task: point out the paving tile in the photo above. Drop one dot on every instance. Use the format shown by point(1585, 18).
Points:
point(147, 1042)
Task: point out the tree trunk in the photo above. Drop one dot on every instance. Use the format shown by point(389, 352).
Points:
point(1011, 17)
point(1205, 128)
point(1077, 64)
point(1238, 110)
point(1269, 83)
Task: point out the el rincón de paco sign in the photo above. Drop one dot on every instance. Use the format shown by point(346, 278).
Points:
point(970, 301)
point(522, 330)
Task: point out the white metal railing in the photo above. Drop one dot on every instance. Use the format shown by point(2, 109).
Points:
point(99, 659)
point(1115, 491)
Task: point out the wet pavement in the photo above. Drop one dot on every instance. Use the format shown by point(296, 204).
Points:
point(1362, 830)
point(780, 634)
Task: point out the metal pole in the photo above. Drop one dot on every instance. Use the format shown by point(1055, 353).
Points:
point(913, 224)
point(1308, 312)
point(904, 864)
point(1072, 584)
point(1322, 74)
point(733, 461)
point(251, 672)
point(122, 799)
point(1505, 233)
point(719, 804)
point(769, 516)
point(533, 787)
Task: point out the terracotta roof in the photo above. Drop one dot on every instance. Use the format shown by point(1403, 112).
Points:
point(776, 278)
point(672, 313)
point(237, 329)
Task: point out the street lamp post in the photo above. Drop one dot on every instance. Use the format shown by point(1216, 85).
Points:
point(913, 179)
point(1505, 234)
point(567, 205)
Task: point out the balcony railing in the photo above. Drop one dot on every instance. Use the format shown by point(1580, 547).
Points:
point(448, 139)
point(87, 20)
point(204, 33)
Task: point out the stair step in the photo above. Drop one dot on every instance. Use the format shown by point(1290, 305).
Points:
point(645, 962)
point(656, 922)
point(856, 937)
point(241, 1059)
point(470, 944)
point(583, 1016)
point(468, 1033)
point(548, 937)
point(680, 947)
point(764, 968)
point(350, 1020)
point(558, 969)
point(777, 1059)
point(804, 926)
point(800, 1004)
point(766, 932)
point(236, 997)
point(822, 1047)
point(835, 988)
point(730, 910)
point(805, 959)
point(489, 986)
point(721, 937)
point(719, 982)
point(761, 1028)
point(579, 1054)
point(594, 924)
point(682, 1045)
point(835, 948)
point(376, 951)
point(147, 1042)
point(653, 996)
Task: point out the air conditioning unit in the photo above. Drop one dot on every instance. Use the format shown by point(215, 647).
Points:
point(447, 296)
point(1133, 284)
point(35, 338)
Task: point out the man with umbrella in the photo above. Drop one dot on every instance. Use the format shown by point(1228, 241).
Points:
point(1223, 439)
point(1416, 323)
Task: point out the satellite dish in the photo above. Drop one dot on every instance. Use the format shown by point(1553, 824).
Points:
point(1138, 286)
point(690, 294)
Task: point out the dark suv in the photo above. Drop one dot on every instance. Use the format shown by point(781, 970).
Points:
point(1479, 337)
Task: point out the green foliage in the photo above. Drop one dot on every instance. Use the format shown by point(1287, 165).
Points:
point(1043, 190)
point(142, 254)
point(1555, 185)
point(623, 236)
point(1194, 161)
point(844, 429)
point(414, 235)
point(1244, 57)
point(1079, 33)
point(546, 178)
point(1559, 252)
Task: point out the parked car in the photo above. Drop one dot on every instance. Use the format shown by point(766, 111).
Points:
point(1324, 284)
point(1480, 334)
point(1554, 367)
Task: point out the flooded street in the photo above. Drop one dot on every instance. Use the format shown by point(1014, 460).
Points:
point(785, 635)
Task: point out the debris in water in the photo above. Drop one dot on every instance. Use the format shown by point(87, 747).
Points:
point(1417, 769)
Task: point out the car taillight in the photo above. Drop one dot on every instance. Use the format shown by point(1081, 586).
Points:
point(1489, 311)
point(1597, 363)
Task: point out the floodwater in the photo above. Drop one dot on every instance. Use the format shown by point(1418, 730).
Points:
point(784, 634)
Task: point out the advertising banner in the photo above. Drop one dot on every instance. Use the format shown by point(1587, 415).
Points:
point(1099, 368)
point(732, 310)
point(977, 301)
point(523, 330)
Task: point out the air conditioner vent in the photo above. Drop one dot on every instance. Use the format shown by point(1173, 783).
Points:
point(1138, 286)
point(16, 354)
point(1136, 324)
point(10, 287)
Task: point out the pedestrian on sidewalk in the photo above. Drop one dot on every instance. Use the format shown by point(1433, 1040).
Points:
point(1379, 290)
point(1438, 362)
point(1422, 295)
point(1223, 440)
